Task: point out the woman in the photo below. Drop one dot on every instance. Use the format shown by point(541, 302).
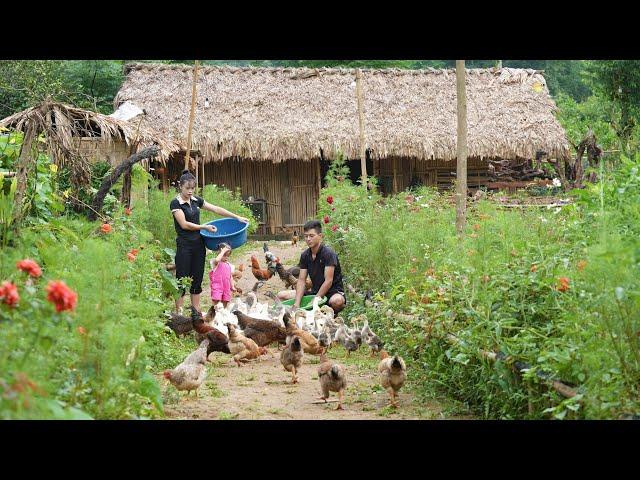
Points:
point(190, 248)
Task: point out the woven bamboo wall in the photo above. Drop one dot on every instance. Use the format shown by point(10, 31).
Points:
point(290, 188)
point(429, 172)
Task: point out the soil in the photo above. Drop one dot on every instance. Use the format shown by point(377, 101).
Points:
point(262, 389)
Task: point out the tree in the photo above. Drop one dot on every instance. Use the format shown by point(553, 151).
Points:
point(619, 82)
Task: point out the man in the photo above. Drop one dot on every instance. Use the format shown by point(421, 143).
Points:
point(321, 263)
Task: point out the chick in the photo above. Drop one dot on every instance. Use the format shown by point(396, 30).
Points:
point(291, 357)
point(393, 373)
point(332, 377)
point(324, 339)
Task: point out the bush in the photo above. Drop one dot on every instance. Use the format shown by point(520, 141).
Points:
point(530, 284)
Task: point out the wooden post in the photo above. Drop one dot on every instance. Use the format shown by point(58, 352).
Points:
point(125, 194)
point(191, 116)
point(22, 170)
point(461, 163)
point(363, 150)
point(203, 179)
point(197, 183)
point(395, 175)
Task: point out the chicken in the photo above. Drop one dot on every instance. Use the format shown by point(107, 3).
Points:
point(218, 341)
point(290, 275)
point(263, 332)
point(180, 324)
point(371, 339)
point(393, 373)
point(259, 273)
point(190, 374)
point(309, 342)
point(332, 377)
point(236, 273)
point(294, 238)
point(241, 347)
point(291, 357)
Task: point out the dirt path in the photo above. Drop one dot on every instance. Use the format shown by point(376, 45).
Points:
point(262, 389)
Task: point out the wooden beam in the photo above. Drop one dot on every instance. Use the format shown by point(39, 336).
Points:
point(191, 115)
point(395, 175)
point(363, 150)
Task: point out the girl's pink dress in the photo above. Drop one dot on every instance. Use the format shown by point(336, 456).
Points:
point(220, 278)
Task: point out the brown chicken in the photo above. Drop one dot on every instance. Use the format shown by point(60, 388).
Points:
point(180, 324)
point(218, 341)
point(290, 275)
point(309, 343)
point(263, 332)
point(190, 374)
point(393, 373)
point(294, 238)
point(332, 377)
point(241, 347)
point(291, 357)
point(237, 273)
point(260, 273)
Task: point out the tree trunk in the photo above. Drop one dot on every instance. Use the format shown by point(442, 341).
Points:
point(22, 169)
point(108, 182)
point(461, 167)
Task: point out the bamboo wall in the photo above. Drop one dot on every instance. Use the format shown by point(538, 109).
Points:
point(290, 188)
point(436, 173)
point(96, 149)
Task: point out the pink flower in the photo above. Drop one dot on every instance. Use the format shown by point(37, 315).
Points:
point(29, 266)
point(334, 228)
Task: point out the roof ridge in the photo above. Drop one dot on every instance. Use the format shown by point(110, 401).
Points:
point(326, 70)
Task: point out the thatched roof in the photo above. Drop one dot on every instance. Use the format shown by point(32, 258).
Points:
point(281, 113)
point(63, 125)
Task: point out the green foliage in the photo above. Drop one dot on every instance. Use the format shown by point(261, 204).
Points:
point(499, 289)
point(577, 118)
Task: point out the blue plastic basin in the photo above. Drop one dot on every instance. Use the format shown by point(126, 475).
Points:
point(230, 230)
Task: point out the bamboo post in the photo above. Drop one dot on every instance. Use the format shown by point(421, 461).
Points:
point(191, 115)
point(461, 161)
point(363, 152)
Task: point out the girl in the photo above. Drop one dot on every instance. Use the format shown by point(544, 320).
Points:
point(190, 248)
point(222, 284)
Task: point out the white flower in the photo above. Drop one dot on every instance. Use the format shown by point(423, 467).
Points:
point(556, 182)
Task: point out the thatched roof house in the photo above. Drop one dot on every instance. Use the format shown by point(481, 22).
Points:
point(271, 115)
point(71, 131)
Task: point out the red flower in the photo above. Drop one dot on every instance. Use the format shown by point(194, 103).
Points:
point(326, 219)
point(127, 211)
point(106, 228)
point(334, 228)
point(61, 296)
point(82, 330)
point(329, 199)
point(29, 266)
point(9, 293)
point(564, 284)
point(333, 209)
point(134, 251)
point(131, 257)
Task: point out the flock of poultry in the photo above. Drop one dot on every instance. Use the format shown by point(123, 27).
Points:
point(246, 327)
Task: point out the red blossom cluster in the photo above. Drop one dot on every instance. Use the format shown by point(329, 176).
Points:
point(61, 296)
point(9, 293)
point(29, 266)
